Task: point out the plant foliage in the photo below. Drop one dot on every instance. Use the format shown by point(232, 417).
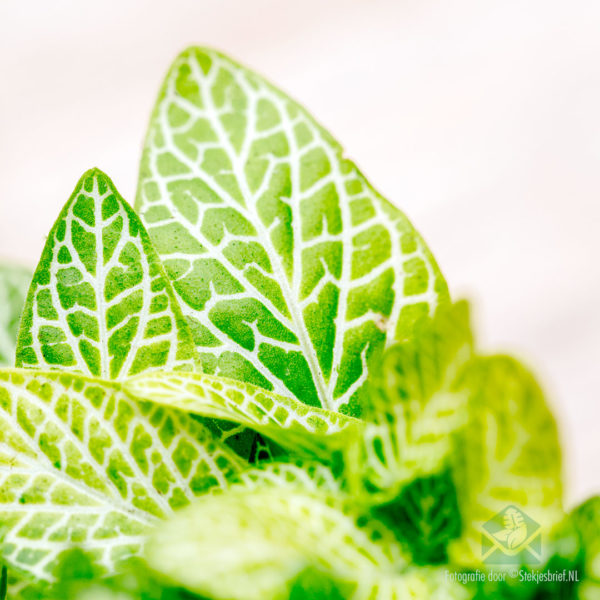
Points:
point(259, 388)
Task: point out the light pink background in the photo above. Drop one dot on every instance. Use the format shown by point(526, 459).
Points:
point(481, 120)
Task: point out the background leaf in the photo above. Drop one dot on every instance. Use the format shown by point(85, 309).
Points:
point(293, 271)
point(287, 421)
point(100, 302)
point(14, 282)
point(424, 517)
point(300, 475)
point(586, 518)
point(507, 454)
point(262, 543)
point(82, 464)
point(252, 544)
point(414, 406)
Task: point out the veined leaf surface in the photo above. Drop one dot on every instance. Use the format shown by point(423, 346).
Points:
point(300, 475)
point(14, 282)
point(287, 421)
point(414, 405)
point(325, 482)
point(253, 545)
point(100, 302)
point(507, 455)
point(250, 544)
point(293, 271)
point(83, 464)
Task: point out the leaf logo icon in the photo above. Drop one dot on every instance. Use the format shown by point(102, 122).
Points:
point(515, 529)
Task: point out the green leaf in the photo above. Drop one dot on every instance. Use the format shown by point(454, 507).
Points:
point(78, 579)
point(424, 517)
point(256, 544)
point(414, 406)
point(13, 289)
point(250, 544)
point(100, 302)
point(586, 518)
point(507, 455)
point(25, 587)
point(293, 271)
point(83, 464)
point(3, 583)
point(302, 475)
point(324, 481)
point(287, 421)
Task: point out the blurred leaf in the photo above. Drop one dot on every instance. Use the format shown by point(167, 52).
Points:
point(3, 583)
point(415, 406)
point(251, 544)
point(312, 584)
point(586, 518)
point(424, 516)
point(14, 282)
point(508, 454)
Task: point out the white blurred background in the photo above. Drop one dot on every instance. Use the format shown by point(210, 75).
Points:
point(481, 120)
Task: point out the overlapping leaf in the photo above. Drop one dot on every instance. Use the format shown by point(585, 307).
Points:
point(82, 464)
point(508, 454)
point(414, 406)
point(253, 544)
point(586, 519)
point(287, 421)
point(300, 475)
point(424, 516)
point(453, 440)
point(13, 289)
point(23, 586)
point(293, 271)
point(100, 302)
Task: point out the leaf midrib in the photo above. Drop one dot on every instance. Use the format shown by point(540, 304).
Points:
point(100, 283)
point(303, 338)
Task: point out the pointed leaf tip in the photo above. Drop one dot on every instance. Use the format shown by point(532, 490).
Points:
point(100, 302)
point(294, 271)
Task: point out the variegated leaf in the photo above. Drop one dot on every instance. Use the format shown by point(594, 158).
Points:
point(302, 475)
point(507, 456)
point(100, 302)
point(414, 405)
point(253, 545)
point(293, 271)
point(287, 421)
point(423, 583)
point(83, 464)
point(14, 282)
point(325, 481)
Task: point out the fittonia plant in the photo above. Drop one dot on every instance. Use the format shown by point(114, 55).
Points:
point(294, 273)
point(258, 388)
